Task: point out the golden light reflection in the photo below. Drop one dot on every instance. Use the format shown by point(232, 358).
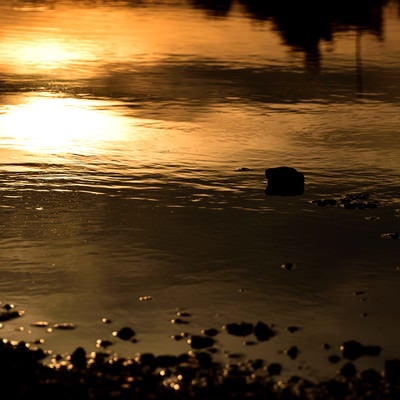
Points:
point(58, 125)
point(45, 54)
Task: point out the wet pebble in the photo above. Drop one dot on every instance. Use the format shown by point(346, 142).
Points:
point(64, 326)
point(274, 369)
point(40, 324)
point(183, 314)
point(352, 350)
point(210, 332)
point(263, 332)
point(334, 359)
point(10, 314)
point(324, 202)
point(103, 343)
point(292, 352)
point(371, 377)
point(289, 266)
point(391, 235)
point(179, 321)
point(348, 370)
point(200, 342)
point(239, 329)
point(145, 298)
point(78, 358)
point(125, 333)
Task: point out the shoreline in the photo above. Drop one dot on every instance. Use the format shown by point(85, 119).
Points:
point(192, 375)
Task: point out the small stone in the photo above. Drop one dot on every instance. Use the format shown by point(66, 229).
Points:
point(289, 266)
point(105, 320)
point(10, 314)
point(263, 332)
point(145, 298)
point(40, 324)
point(352, 349)
point(210, 332)
point(391, 235)
point(179, 321)
point(241, 329)
point(183, 314)
point(293, 329)
point(242, 169)
point(371, 377)
point(324, 202)
point(103, 343)
point(200, 342)
point(333, 359)
point(274, 369)
point(292, 352)
point(78, 358)
point(64, 326)
point(348, 370)
point(124, 333)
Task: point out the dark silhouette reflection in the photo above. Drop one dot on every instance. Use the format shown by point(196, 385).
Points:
point(218, 8)
point(303, 25)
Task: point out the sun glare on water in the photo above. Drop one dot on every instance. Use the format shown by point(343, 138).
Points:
point(58, 125)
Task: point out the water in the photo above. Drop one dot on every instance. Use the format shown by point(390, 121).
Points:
point(123, 129)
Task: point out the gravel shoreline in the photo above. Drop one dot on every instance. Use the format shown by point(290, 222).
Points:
point(192, 375)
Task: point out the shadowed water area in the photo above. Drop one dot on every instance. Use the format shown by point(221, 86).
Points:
point(134, 139)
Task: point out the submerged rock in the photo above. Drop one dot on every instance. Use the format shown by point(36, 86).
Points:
point(284, 181)
point(352, 350)
point(124, 333)
point(263, 332)
point(200, 342)
point(239, 329)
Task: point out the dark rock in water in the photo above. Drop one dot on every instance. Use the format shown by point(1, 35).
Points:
point(210, 332)
point(147, 359)
point(353, 350)
point(284, 181)
point(373, 351)
point(348, 370)
point(274, 368)
point(293, 329)
point(10, 314)
point(391, 235)
point(371, 377)
point(333, 359)
point(125, 333)
point(263, 332)
point(103, 343)
point(64, 326)
point(288, 266)
point(324, 202)
point(292, 352)
point(200, 342)
point(242, 329)
point(242, 169)
point(78, 358)
point(166, 361)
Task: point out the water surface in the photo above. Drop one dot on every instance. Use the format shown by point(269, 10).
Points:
point(133, 143)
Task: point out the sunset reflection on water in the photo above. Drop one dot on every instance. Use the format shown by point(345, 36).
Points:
point(134, 138)
point(49, 124)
